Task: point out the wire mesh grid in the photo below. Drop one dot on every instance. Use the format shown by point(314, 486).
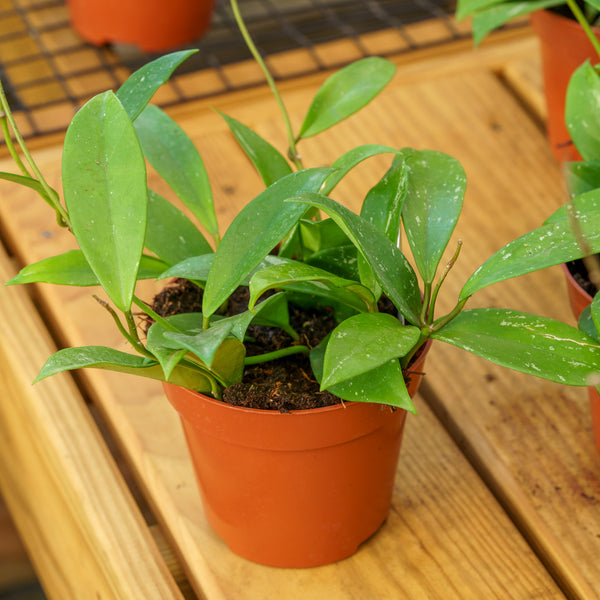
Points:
point(48, 71)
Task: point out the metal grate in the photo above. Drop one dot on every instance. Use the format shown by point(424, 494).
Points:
point(48, 72)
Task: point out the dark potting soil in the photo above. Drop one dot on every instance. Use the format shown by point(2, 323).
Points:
point(285, 384)
point(579, 271)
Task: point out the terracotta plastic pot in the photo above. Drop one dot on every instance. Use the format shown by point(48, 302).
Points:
point(564, 47)
point(152, 25)
point(578, 297)
point(297, 489)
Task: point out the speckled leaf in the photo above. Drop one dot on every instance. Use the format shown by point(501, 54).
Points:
point(393, 271)
point(582, 177)
point(139, 88)
point(493, 17)
point(383, 385)
point(172, 153)
point(292, 272)
point(71, 268)
point(269, 162)
point(363, 343)
point(255, 231)
point(345, 92)
point(552, 244)
point(170, 234)
point(345, 163)
point(586, 323)
point(582, 111)
point(435, 190)
point(527, 343)
point(104, 182)
point(100, 357)
point(383, 203)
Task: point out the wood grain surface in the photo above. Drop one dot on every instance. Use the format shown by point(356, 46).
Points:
point(448, 535)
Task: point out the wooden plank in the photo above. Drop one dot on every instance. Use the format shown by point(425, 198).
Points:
point(15, 567)
point(446, 532)
point(84, 534)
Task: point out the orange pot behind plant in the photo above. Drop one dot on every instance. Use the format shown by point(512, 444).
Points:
point(564, 47)
point(298, 489)
point(579, 299)
point(152, 25)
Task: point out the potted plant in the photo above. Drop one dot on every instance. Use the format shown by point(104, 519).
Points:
point(567, 34)
point(583, 182)
point(150, 25)
point(346, 270)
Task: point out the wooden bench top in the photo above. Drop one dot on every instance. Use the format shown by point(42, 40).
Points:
point(499, 481)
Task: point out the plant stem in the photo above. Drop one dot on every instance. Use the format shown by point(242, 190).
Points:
point(443, 321)
point(292, 152)
point(253, 360)
point(425, 309)
point(578, 14)
point(9, 142)
point(51, 195)
point(443, 276)
point(154, 316)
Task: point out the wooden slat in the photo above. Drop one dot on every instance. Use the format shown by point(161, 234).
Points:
point(83, 532)
point(446, 531)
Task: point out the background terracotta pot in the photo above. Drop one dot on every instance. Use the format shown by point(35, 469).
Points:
point(152, 25)
point(579, 299)
point(564, 47)
point(298, 489)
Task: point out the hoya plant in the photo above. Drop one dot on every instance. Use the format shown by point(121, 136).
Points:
point(293, 240)
point(490, 14)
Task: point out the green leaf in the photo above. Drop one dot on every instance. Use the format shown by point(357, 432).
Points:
point(320, 235)
point(228, 362)
point(551, 244)
point(167, 358)
point(255, 231)
point(393, 271)
point(435, 191)
point(527, 343)
point(595, 313)
point(582, 177)
point(222, 356)
point(205, 343)
point(104, 181)
point(489, 19)
point(170, 234)
point(383, 385)
point(279, 276)
point(195, 268)
point(383, 203)
point(71, 268)
point(577, 208)
point(29, 182)
point(341, 260)
point(269, 162)
point(466, 8)
point(174, 156)
point(139, 88)
point(345, 92)
point(345, 163)
point(109, 359)
point(582, 106)
point(586, 323)
point(363, 343)
point(186, 323)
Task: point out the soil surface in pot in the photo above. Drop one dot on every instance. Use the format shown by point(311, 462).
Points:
point(284, 384)
point(580, 274)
